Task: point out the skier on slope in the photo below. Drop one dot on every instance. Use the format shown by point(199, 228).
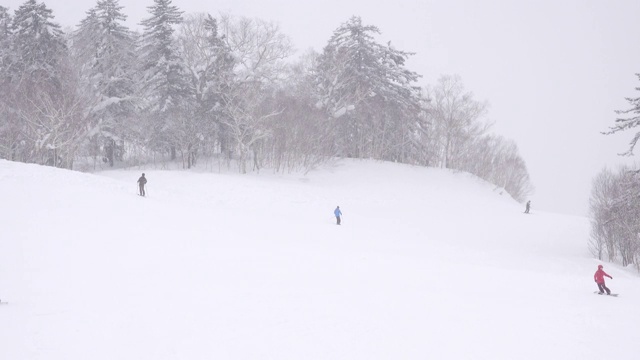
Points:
point(141, 182)
point(528, 206)
point(599, 279)
point(338, 214)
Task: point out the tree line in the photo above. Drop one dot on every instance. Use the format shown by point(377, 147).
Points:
point(194, 86)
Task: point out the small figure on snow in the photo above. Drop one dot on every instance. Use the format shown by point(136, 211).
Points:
point(599, 279)
point(528, 206)
point(141, 182)
point(338, 214)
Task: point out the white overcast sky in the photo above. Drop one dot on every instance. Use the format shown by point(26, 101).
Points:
point(553, 71)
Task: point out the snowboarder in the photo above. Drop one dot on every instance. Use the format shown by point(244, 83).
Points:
point(526, 211)
point(599, 279)
point(141, 182)
point(338, 214)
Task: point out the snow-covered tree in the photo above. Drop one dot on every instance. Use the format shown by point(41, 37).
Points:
point(631, 122)
point(367, 92)
point(5, 36)
point(210, 64)
point(45, 110)
point(207, 56)
point(497, 160)
point(105, 51)
point(5, 21)
point(601, 206)
point(38, 45)
point(248, 118)
point(259, 49)
point(54, 124)
point(456, 118)
point(9, 134)
point(164, 79)
point(615, 210)
point(298, 137)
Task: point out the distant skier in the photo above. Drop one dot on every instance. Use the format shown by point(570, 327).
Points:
point(599, 279)
point(338, 214)
point(141, 182)
point(528, 206)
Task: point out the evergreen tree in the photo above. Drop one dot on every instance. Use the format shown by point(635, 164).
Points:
point(5, 45)
point(166, 90)
point(367, 91)
point(631, 122)
point(210, 67)
point(162, 68)
point(83, 41)
point(38, 44)
point(43, 97)
point(5, 35)
point(217, 73)
point(105, 49)
point(8, 128)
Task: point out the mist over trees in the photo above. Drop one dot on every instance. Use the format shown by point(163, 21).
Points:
point(227, 89)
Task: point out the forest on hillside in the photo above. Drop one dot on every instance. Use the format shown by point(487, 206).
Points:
point(194, 86)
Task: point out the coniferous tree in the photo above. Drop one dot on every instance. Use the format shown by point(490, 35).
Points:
point(38, 45)
point(210, 68)
point(631, 122)
point(44, 96)
point(207, 57)
point(83, 46)
point(5, 37)
point(166, 91)
point(368, 93)
point(8, 124)
point(104, 47)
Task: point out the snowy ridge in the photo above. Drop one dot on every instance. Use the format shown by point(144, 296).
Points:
point(427, 264)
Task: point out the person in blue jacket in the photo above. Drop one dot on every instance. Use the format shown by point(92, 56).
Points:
point(337, 213)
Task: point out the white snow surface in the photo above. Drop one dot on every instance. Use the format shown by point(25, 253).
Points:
point(428, 264)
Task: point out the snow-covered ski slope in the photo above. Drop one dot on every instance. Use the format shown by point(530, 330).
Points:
point(428, 264)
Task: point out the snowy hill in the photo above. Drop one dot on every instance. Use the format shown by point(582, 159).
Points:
point(428, 264)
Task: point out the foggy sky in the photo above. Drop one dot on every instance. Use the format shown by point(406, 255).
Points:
point(553, 72)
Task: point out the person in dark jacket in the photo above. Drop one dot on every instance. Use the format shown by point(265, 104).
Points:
point(599, 279)
point(141, 182)
point(528, 206)
point(338, 214)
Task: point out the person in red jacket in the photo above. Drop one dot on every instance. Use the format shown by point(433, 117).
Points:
point(599, 278)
